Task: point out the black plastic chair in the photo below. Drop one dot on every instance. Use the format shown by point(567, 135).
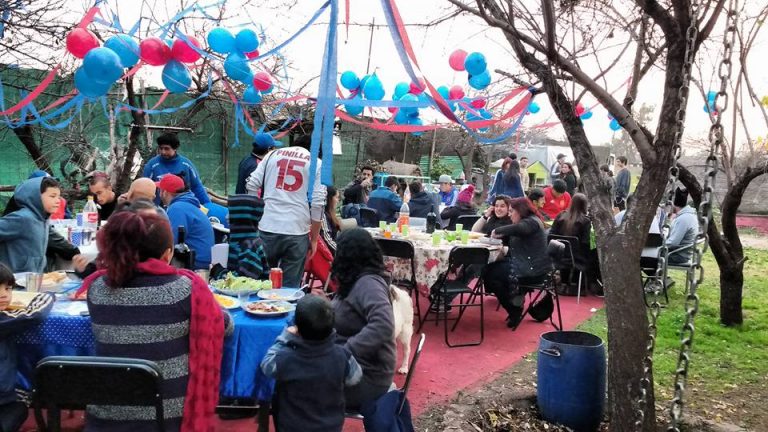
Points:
point(69, 382)
point(406, 385)
point(403, 249)
point(570, 260)
point(369, 217)
point(460, 259)
point(535, 292)
point(468, 221)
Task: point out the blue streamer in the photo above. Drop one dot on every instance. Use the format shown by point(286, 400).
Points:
point(295, 35)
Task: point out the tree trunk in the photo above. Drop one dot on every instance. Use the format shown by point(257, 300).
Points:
point(731, 287)
point(134, 138)
point(24, 134)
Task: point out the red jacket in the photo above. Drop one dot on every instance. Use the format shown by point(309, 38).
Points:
point(552, 205)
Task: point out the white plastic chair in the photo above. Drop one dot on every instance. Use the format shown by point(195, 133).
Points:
point(220, 254)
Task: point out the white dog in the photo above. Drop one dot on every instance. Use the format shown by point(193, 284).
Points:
point(402, 307)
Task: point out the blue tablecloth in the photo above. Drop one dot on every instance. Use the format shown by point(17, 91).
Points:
point(66, 332)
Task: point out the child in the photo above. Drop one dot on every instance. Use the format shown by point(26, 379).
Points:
point(24, 233)
point(311, 371)
point(12, 411)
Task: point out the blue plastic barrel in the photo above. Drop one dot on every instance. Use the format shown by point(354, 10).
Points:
point(571, 379)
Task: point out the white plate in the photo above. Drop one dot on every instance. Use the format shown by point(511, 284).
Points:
point(234, 305)
point(285, 294)
point(288, 308)
point(235, 293)
point(21, 278)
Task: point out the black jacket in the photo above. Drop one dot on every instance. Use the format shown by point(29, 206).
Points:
point(451, 214)
point(421, 204)
point(581, 229)
point(527, 243)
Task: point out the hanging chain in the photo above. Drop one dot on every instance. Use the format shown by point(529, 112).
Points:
point(656, 283)
point(716, 135)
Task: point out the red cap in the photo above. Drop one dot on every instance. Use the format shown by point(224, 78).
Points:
point(171, 183)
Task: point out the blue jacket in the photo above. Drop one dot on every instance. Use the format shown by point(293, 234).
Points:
point(448, 198)
point(24, 233)
point(386, 202)
point(157, 167)
point(185, 211)
point(11, 324)
point(244, 170)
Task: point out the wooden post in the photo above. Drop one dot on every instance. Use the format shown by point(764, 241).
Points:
point(405, 145)
point(225, 154)
point(432, 150)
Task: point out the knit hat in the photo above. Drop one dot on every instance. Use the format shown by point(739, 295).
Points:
point(263, 141)
point(681, 197)
point(38, 173)
point(467, 194)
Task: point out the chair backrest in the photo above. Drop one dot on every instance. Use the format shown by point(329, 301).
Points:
point(567, 257)
point(220, 254)
point(396, 248)
point(369, 217)
point(411, 371)
point(468, 221)
point(467, 255)
point(72, 382)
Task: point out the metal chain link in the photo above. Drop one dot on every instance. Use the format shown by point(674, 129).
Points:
point(656, 283)
point(704, 213)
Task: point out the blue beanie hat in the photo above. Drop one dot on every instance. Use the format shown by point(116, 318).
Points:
point(263, 141)
point(38, 173)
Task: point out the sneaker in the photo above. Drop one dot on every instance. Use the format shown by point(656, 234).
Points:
point(513, 322)
point(439, 308)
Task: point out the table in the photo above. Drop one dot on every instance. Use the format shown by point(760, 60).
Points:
point(430, 260)
point(66, 332)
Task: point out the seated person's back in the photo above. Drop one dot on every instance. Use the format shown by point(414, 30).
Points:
point(385, 200)
point(575, 223)
point(421, 202)
point(310, 371)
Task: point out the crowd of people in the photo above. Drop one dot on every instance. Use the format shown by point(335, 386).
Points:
point(168, 315)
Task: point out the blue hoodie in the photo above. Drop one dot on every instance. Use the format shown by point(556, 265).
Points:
point(157, 167)
point(184, 210)
point(24, 233)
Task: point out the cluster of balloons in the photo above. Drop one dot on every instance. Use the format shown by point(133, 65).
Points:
point(710, 106)
point(614, 124)
point(582, 112)
point(103, 65)
point(410, 92)
point(369, 87)
point(239, 49)
point(474, 64)
point(533, 107)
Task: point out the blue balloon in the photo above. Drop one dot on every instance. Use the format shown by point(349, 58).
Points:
point(349, 80)
point(485, 114)
point(236, 66)
point(416, 122)
point(363, 80)
point(251, 95)
point(711, 96)
point(176, 78)
point(452, 105)
point(444, 91)
point(89, 87)
point(533, 107)
point(408, 97)
point(413, 114)
point(264, 141)
point(221, 40)
point(246, 41)
point(586, 115)
point(102, 65)
point(401, 117)
point(248, 79)
point(475, 63)
point(400, 89)
point(480, 81)
point(373, 89)
point(125, 47)
point(614, 125)
point(354, 109)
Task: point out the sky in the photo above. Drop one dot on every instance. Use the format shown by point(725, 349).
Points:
point(432, 45)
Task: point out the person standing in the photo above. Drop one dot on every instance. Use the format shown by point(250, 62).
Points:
point(524, 179)
point(607, 176)
point(263, 144)
point(623, 180)
point(567, 174)
point(101, 189)
point(169, 161)
point(554, 170)
point(284, 176)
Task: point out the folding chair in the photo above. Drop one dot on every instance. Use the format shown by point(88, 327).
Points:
point(467, 221)
point(403, 249)
point(369, 217)
point(569, 260)
point(406, 385)
point(538, 291)
point(70, 382)
point(460, 258)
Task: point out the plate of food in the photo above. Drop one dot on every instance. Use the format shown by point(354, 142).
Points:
point(269, 308)
point(234, 285)
point(227, 302)
point(284, 294)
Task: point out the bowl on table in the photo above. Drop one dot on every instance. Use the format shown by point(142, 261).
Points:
point(284, 294)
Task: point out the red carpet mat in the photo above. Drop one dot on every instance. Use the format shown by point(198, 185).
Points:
point(442, 371)
point(759, 223)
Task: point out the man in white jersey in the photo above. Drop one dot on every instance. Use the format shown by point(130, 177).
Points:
point(283, 175)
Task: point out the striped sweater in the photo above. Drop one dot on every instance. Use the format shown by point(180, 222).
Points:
point(147, 319)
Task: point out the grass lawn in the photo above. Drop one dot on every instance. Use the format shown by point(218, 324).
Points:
point(724, 359)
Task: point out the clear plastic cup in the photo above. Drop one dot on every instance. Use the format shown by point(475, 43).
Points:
point(459, 228)
point(34, 282)
point(464, 237)
point(437, 237)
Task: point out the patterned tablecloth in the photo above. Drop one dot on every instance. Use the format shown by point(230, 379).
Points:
point(430, 260)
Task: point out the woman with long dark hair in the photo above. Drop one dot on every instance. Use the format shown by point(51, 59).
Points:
point(495, 216)
point(364, 318)
point(141, 307)
point(526, 262)
point(575, 222)
point(567, 174)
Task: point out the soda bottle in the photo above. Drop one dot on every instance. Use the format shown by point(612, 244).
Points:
point(404, 218)
point(183, 255)
point(90, 215)
point(431, 222)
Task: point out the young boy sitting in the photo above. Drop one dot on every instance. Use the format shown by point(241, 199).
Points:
point(311, 371)
point(14, 320)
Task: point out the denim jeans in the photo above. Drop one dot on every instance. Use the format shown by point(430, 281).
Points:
point(289, 252)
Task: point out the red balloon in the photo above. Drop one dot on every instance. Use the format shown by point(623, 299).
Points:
point(154, 51)
point(80, 41)
point(579, 109)
point(183, 52)
point(417, 88)
point(252, 54)
point(456, 92)
point(393, 110)
point(262, 81)
point(478, 103)
point(456, 60)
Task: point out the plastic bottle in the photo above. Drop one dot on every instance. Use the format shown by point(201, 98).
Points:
point(404, 218)
point(90, 215)
point(431, 222)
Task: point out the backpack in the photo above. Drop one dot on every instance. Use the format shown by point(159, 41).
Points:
point(352, 211)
